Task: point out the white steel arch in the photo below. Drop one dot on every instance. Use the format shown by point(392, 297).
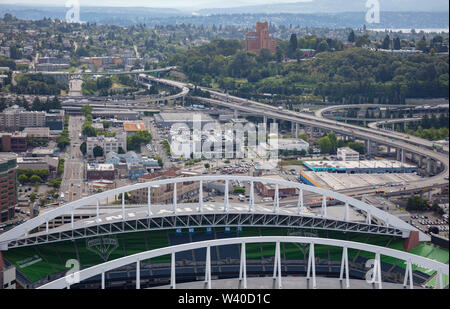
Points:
point(371, 211)
point(410, 259)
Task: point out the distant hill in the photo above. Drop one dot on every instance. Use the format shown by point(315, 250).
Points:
point(335, 6)
point(321, 14)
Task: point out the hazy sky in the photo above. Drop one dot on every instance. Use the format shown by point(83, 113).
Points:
point(157, 3)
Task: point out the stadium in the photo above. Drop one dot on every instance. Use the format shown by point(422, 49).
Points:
point(222, 245)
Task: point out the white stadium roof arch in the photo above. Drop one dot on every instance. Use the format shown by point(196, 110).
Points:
point(410, 259)
point(24, 229)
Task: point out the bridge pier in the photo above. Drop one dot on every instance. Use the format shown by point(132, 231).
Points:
point(376, 149)
point(297, 129)
point(420, 161)
point(368, 147)
point(434, 167)
point(398, 154)
point(429, 163)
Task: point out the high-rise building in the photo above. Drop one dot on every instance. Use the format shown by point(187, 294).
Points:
point(8, 183)
point(255, 41)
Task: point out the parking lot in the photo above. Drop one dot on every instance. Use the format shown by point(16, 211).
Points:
point(424, 221)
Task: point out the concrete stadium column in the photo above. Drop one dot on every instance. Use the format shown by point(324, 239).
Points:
point(412, 241)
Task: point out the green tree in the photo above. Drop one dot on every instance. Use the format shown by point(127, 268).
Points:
point(238, 190)
point(33, 197)
point(86, 110)
point(62, 142)
point(22, 178)
point(135, 141)
point(397, 44)
point(362, 40)
point(323, 46)
point(325, 145)
point(83, 148)
point(351, 36)
point(293, 42)
point(159, 159)
point(421, 45)
point(415, 203)
point(333, 139)
point(98, 151)
point(386, 42)
point(35, 179)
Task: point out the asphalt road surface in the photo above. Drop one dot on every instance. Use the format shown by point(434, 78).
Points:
point(73, 184)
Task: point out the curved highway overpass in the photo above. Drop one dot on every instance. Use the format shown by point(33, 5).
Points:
point(375, 124)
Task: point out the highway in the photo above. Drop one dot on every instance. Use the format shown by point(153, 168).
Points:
point(374, 125)
point(381, 137)
point(377, 136)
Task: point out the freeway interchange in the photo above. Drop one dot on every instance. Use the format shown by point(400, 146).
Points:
point(437, 163)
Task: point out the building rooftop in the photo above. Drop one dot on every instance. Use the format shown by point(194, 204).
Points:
point(134, 126)
point(100, 167)
point(275, 177)
point(6, 156)
point(348, 150)
point(357, 164)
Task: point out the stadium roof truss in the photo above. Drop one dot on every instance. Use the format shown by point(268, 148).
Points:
point(207, 220)
point(25, 233)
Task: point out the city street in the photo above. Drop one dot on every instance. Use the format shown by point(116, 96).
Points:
point(157, 147)
point(73, 184)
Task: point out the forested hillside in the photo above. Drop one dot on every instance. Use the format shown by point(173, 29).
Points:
point(334, 74)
